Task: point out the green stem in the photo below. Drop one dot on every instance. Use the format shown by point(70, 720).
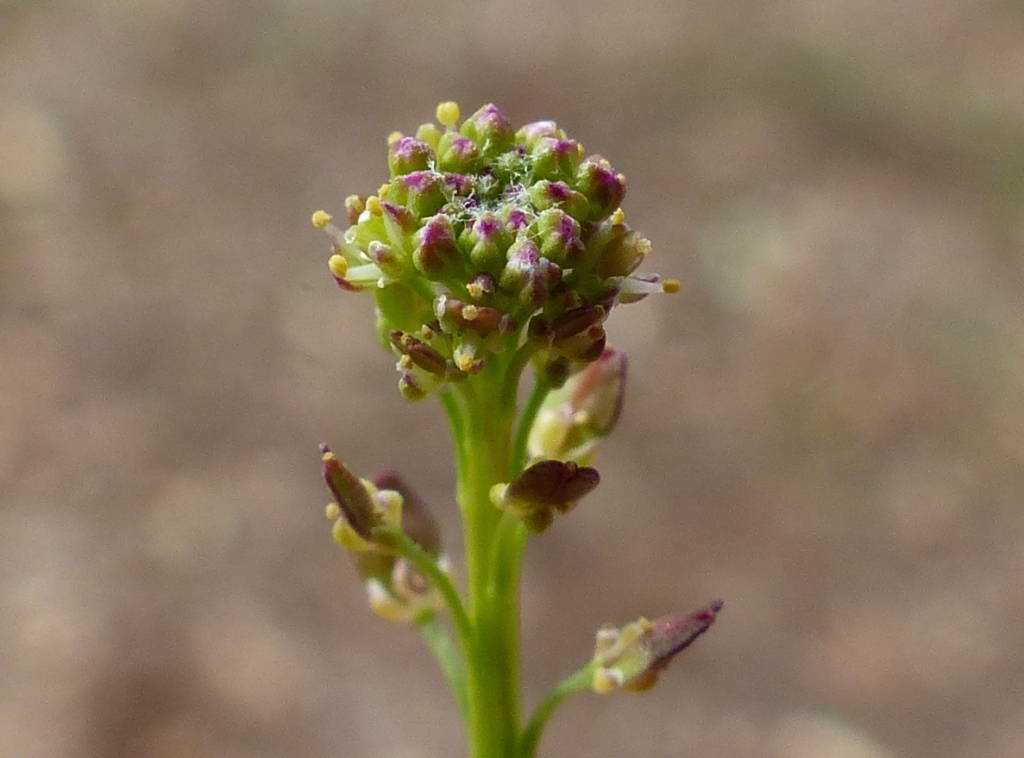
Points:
point(426, 564)
point(526, 419)
point(493, 662)
point(449, 658)
point(571, 685)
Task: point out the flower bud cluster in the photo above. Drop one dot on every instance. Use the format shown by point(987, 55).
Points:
point(486, 237)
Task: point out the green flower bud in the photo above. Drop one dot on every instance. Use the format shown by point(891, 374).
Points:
point(489, 127)
point(437, 255)
point(576, 417)
point(407, 154)
point(558, 234)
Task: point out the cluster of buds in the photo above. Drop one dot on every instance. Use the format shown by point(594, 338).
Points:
point(365, 514)
point(631, 658)
point(485, 238)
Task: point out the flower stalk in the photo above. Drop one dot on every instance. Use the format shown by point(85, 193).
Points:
point(489, 251)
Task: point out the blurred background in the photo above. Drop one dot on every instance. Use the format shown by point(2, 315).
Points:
point(825, 428)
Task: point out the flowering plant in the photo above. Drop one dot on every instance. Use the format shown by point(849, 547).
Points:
point(490, 250)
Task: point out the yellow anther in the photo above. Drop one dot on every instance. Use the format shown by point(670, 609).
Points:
point(475, 289)
point(332, 511)
point(671, 286)
point(470, 312)
point(465, 362)
point(321, 219)
point(373, 205)
point(339, 267)
point(394, 137)
point(448, 114)
point(384, 191)
point(618, 216)
point(580, 151)
point(405, 363)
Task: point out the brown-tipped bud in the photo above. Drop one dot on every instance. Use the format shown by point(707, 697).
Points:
point(477, 318)
point(584, 347)
point(571, 323)
point(544, 489)
point(351, 495)
point(408, 154)
point(631, 658)
point(437, 255)
point(421, 354)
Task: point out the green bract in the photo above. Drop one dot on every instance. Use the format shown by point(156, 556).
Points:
point(487, 238)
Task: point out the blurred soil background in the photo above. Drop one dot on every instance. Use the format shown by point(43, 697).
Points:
point(825, 428)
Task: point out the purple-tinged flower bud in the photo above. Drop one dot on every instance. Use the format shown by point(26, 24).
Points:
point(528, 275)
point(422, 192)
point(546, 194)
point(489, 128)
point(530, 134)
point(556, 158)
point(559, 236)
point(437, 254)
point(411, 388)
point(458, 153)
point(399, 225)
point(487, 240)
point(631, 658)
point(408, 154)
point(604, 188)
point(576, 417)
point(351, 495)
point(481, 286)
point(544, 489)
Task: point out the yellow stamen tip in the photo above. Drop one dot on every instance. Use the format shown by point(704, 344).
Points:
point(470, 313)
point(339, 267)
point(373, 205)
point(384, 191)
point(448, 114)
point(465, 363)
point(332, 511)
point(618, 216)
point(671, 286)
point(321, 219)
point(394, 137)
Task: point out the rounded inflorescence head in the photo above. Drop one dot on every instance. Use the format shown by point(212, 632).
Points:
point(485, 238)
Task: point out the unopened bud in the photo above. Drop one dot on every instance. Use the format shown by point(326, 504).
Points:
point(545, 489)
point(631, 658)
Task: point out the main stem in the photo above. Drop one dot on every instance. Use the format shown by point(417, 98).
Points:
point(493, 665)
